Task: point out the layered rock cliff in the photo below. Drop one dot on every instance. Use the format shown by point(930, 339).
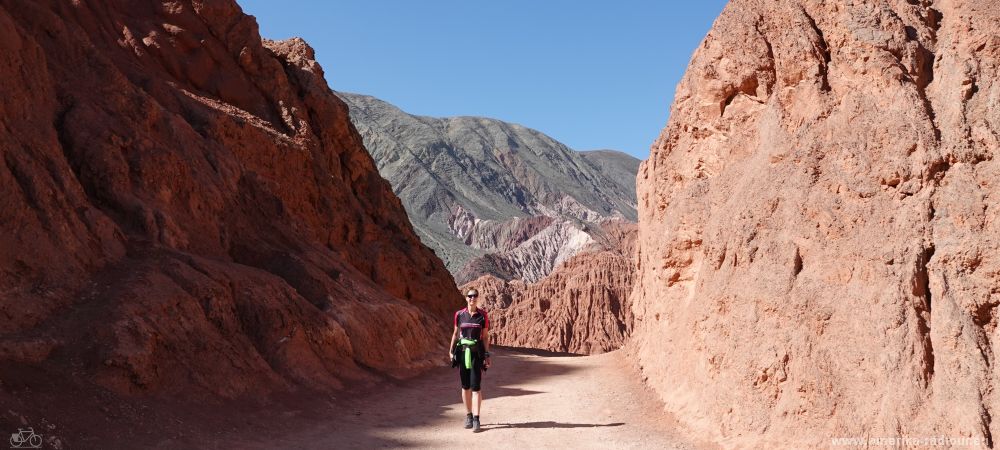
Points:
point(580, 307)
point(818, 234)
point(492, 197)
point(188, 210)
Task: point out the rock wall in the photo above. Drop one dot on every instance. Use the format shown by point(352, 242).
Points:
point(187, 210)
point(818, 239)
point(580, 307)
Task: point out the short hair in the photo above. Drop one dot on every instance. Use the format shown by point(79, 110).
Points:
point(471, 291)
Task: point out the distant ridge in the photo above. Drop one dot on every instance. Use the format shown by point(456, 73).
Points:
point(493, 197)
point(621, 167)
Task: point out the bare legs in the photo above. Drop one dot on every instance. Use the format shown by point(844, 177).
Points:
point(473, 401)
point(467, 399)
point(477, 400)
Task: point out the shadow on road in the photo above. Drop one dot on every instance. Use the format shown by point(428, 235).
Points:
point(504, 392)
point(380, 415)
point(548, 424)
point(536, 352)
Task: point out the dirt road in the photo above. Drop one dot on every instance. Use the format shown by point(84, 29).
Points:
point(532, 400)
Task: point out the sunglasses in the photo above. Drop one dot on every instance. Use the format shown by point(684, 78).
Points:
point(472, 296)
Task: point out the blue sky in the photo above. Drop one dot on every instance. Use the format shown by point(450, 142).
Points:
point(591, 74)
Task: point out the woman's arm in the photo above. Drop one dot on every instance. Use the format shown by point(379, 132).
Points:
point(451, 346)
point(486, 344)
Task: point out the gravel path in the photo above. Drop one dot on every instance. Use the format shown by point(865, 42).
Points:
point(532, 400)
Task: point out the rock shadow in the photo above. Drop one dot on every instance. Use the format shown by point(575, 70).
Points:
point(371, 417)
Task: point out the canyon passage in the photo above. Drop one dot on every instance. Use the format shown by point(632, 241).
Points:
point(203, 244)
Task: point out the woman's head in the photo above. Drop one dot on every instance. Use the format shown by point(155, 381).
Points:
point(471, 297)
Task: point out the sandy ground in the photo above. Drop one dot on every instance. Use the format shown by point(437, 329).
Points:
point(532, 400)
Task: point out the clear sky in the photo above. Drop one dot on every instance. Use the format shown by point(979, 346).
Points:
point(591, 74)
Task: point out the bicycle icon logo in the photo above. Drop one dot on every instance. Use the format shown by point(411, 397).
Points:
point(25, 438)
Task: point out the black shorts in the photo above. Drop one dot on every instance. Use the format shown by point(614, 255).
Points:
point(471, 377)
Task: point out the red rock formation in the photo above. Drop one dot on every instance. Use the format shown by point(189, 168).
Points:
point(581, 307)
point(187, 210)
point(817, 241)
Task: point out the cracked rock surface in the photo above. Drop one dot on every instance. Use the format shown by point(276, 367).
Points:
point(819, 227)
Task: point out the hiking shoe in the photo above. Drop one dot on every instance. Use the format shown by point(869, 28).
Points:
point(468, 421)
point(475, 425)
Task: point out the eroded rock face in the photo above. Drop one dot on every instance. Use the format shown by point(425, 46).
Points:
point(817, 237)
point(533, 258)
point(187, 209)
point(580, 307)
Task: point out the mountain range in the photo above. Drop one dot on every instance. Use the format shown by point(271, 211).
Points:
point(492, 197)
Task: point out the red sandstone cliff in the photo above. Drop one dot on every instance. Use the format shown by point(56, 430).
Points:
point(187, 210)
point(581, 307)
point(818, 230)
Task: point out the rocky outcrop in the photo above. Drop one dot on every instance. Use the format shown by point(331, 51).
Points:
point(817, 241)
point(580, 307)
point(188, 211)
point(492, 197)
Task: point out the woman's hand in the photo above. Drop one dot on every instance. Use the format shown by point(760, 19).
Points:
point(488, 362)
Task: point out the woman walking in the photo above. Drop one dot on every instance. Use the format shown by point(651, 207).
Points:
point(471, 354)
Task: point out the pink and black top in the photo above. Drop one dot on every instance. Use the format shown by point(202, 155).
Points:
point(472, 325)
